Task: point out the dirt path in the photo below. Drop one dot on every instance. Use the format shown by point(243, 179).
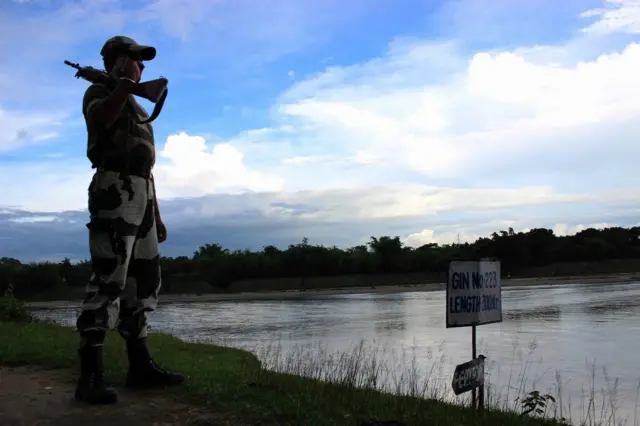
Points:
point(30, 397)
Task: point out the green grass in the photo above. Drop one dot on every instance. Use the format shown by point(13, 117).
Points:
point(233, 381)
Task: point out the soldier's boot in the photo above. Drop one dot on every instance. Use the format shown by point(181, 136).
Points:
point(143, 371)
point(91, 387)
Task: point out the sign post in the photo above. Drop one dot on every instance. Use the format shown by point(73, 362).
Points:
point(474, 297)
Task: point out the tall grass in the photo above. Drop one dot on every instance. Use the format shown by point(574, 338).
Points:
point(382, 369)
point(13, 309)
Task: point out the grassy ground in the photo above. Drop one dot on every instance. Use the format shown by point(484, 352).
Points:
point(232, 380)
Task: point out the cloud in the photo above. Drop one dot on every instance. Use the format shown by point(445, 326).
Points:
point(20, 128)
point(430, 140)
point(563, 229)
point(486, 25)
point(36, 78)
point(192, 168)
point(428, 236)
point(50, 185)
point(242, 30)
point(343, 218)
point(619, 16)
point(248, 30)
point(468, 235)
point(496, 113)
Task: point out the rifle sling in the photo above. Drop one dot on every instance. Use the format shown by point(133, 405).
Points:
point(157, 108)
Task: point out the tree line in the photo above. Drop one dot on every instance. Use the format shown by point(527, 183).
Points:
point(521, 254)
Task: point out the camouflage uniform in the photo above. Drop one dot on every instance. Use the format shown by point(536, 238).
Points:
point(123, 242)
point(122, 230)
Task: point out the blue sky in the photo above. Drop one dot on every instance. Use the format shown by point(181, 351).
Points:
point(333, 120)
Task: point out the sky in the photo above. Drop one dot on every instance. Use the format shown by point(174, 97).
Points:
point(332, 120)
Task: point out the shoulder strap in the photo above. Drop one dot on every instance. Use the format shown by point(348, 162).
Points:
point(157, 108)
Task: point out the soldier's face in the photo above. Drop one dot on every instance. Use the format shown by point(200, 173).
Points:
point(138, 66)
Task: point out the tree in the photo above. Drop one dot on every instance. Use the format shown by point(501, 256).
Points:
point(538, 251)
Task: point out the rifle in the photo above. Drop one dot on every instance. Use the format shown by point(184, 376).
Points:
point(153, 90)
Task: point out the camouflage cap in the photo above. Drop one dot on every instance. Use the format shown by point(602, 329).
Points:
point(123, 43)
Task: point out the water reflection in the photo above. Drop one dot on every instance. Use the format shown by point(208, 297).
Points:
point(389, 314)
point(545, 329)
point(545, 313)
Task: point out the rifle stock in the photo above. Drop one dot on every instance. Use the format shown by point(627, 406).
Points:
point(151, 90)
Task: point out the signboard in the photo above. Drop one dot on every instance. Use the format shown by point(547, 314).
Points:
point(468, 376)
point(474, 294)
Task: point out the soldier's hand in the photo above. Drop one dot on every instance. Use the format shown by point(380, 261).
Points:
point(161, 230)
point(132, 70)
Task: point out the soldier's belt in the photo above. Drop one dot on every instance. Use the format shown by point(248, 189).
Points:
point(121, 166)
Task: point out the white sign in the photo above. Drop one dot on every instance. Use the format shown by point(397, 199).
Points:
point(468, 376)
point(474, 294)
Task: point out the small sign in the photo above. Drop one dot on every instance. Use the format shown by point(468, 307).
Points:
point(468, 376)
point(474, 293)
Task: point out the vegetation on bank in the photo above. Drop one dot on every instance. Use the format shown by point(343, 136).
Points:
point(537, 252)
point(234, 381)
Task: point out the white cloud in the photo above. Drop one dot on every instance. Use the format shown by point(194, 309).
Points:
point(27, 219)
point(428, 132)
point(252, 220)
point(465, 234)
point(193, 168)
point(177, 17)
point(252, 33)
point(495, 111)
point(397, 201)
point(618, 16)
point(428, 112)
point(429, 236)
point(188, 167)
point(564, 229)
point(27, 127)
point(45, 186)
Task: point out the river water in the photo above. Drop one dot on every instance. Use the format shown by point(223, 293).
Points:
point(586, 333)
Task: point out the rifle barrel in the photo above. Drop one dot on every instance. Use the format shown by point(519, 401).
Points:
point(71, 64)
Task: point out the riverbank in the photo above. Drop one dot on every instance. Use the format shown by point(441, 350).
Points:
point(225, 383)
point(302, 294)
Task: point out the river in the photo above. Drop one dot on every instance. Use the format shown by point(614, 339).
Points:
point(574, 330)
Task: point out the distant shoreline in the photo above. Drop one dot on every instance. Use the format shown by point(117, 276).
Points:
point(303, 294)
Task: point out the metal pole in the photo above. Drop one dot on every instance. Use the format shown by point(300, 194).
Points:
point(481, 399)
point(473, 356)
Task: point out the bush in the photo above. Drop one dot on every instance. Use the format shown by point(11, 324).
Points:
point(13, 309)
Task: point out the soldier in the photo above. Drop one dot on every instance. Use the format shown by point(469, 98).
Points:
point(125, 227)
